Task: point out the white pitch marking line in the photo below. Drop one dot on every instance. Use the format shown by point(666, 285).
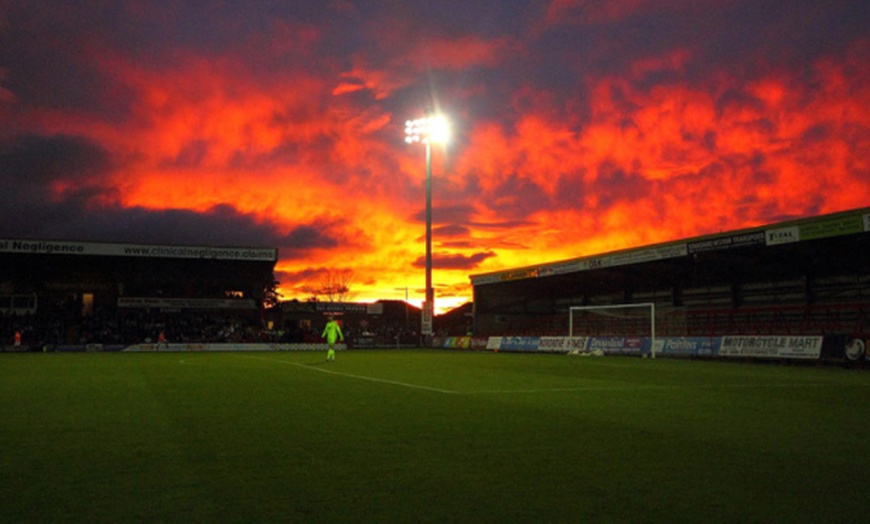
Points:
point(362, 377)
point(540, 390)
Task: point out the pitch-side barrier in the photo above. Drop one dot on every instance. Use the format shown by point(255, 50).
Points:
point(232, 347)
point(794, 347)
point(768, 346)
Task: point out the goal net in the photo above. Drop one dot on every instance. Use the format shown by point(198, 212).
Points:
point(614, 321)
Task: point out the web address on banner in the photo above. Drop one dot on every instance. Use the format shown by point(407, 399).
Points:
point(56, 247)
point(200, 252)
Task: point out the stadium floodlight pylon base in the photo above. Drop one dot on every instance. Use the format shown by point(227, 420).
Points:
point(650, 306)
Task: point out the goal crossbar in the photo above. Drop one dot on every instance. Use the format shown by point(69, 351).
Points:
point(647, 305)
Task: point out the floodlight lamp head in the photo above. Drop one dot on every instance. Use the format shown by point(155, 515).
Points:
point(434, 129)
point(439, 130)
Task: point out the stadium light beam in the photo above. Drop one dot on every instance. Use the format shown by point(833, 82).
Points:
point(428, 130)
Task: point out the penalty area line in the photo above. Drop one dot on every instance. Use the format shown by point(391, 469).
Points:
point(358, 377)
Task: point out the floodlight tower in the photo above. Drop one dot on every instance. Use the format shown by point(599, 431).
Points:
point(428, 130)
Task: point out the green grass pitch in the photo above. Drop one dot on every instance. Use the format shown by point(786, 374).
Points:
point(428, 436)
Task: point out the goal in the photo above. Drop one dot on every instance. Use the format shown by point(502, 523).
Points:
point(614, 320)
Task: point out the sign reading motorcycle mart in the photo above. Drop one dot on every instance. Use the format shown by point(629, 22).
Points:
point(771, 347)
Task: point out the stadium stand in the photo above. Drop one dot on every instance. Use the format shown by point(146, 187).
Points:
point(62, 293)
point(800, 277)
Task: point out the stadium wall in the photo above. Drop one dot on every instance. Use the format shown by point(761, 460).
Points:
point(807, 348)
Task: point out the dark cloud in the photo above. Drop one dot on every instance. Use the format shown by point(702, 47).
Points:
point(517, 197)
point(455, 261)
point(309, 237)
point(615, 184)
point(77, 220)
point(817, 133)
point(719, 33)
point(445, 214)
point(38, 160)
point(48, 53)
point(501, 225)
point(219, 225)
point(49, 182)
point(452, 230)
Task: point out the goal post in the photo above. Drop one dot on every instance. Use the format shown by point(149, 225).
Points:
point(613, 311)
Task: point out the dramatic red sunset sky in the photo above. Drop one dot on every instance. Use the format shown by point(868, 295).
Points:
point(580, 127)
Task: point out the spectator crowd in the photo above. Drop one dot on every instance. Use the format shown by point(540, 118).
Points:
point(42, 330)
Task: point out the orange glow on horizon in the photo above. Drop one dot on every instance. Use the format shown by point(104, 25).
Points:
point(693, 156)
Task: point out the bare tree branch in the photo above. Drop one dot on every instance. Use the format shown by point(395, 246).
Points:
point(337, 286)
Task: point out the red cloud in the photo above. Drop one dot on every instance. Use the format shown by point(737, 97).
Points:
point(707, 153)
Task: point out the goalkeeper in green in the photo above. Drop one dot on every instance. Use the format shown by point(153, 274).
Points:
point(331, 332)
